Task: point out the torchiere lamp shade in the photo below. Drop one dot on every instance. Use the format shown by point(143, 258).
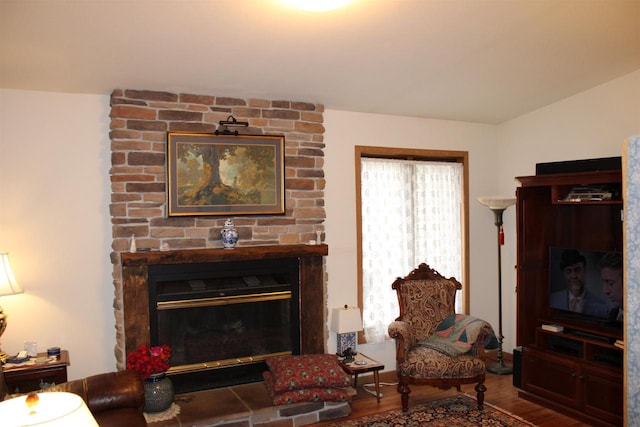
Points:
point(496, 202)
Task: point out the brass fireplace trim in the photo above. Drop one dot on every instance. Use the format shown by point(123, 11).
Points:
point(203, 366)
point(223, 300)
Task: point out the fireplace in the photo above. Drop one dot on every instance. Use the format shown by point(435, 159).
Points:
point(224, 312)
point(224, 319)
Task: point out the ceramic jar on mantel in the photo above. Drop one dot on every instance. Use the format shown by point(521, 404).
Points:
point(229, 234)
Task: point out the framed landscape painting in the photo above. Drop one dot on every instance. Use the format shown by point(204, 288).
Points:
point(224, 174)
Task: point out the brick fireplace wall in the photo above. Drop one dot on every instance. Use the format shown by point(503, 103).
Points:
point(140, 121)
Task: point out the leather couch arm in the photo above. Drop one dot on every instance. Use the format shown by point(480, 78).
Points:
point(109, 391)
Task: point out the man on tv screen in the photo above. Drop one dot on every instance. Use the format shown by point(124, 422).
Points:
point(611, 274)
point(576, 297)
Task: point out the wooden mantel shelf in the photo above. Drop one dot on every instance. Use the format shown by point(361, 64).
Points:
point(241, 253)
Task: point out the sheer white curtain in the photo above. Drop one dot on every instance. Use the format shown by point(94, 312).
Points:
point(411, 213)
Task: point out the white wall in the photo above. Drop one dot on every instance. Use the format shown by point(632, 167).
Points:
point(54, 187)
point(55, 224)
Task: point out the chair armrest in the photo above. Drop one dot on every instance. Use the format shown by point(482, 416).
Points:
point(105, 392)
point(402, 333)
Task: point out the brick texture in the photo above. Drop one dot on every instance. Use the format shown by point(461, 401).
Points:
point(138, 117)
point(140, 120)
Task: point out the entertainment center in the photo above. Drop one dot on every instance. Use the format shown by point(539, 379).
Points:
point(570, 362)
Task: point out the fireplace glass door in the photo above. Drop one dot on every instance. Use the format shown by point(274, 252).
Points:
point(226, 330)
point(224, 319)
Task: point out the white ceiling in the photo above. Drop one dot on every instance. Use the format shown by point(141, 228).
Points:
point(473, 60)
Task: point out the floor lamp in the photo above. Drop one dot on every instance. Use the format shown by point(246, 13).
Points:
point(498, 205)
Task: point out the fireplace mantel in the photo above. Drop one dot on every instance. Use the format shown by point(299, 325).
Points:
point(135, 290)
point(189, 256)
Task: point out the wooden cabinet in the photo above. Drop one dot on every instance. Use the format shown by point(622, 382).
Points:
point(550, 376)
point(591, 389)
point(32, 377)
point(579, 370)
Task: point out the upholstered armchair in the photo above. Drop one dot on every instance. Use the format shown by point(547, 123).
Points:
point(434, 345)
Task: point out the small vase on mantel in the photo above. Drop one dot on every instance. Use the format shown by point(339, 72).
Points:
point(229, 234)
point(158, 393)
point(132, 246)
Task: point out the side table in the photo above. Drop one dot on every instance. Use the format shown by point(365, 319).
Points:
point(360, 365)
point(28, 376)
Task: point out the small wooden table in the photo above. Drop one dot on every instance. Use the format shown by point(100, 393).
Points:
point(29, 376)
point(362, 364)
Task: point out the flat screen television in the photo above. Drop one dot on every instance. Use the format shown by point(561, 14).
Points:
point(594, 276)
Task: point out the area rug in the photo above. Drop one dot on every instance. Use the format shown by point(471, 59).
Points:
point(456, 411)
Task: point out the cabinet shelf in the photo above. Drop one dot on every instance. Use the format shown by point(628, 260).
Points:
point(605, 331)
point(595, 350)
point(588, 202)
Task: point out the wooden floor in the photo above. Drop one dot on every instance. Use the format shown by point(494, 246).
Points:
point(500, 393)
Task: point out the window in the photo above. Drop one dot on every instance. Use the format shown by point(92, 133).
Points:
point(412, 208)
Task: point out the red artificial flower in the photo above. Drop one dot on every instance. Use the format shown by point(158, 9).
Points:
point(149, 360)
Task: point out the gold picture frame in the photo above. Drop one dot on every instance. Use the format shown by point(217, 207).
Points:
point(212, 174)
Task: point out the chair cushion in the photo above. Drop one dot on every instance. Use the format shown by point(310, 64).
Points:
point(427, 363)
point(307, 371)
point(313, 394)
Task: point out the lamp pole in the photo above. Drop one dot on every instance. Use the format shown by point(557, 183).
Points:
point(499, 367)
point(498, 205)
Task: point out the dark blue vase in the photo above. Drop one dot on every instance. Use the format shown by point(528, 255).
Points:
point(158, 393)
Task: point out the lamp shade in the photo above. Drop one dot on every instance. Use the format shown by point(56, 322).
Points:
point(346, 319)
point(8, 283)
point(52, 409)
point(497, 202)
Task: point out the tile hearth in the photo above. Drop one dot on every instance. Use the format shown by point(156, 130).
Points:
point(248, 405)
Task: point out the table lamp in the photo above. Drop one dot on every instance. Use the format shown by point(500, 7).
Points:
point(345, 322)
point(46, 409)
point(8, 286)
point(498, 204)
